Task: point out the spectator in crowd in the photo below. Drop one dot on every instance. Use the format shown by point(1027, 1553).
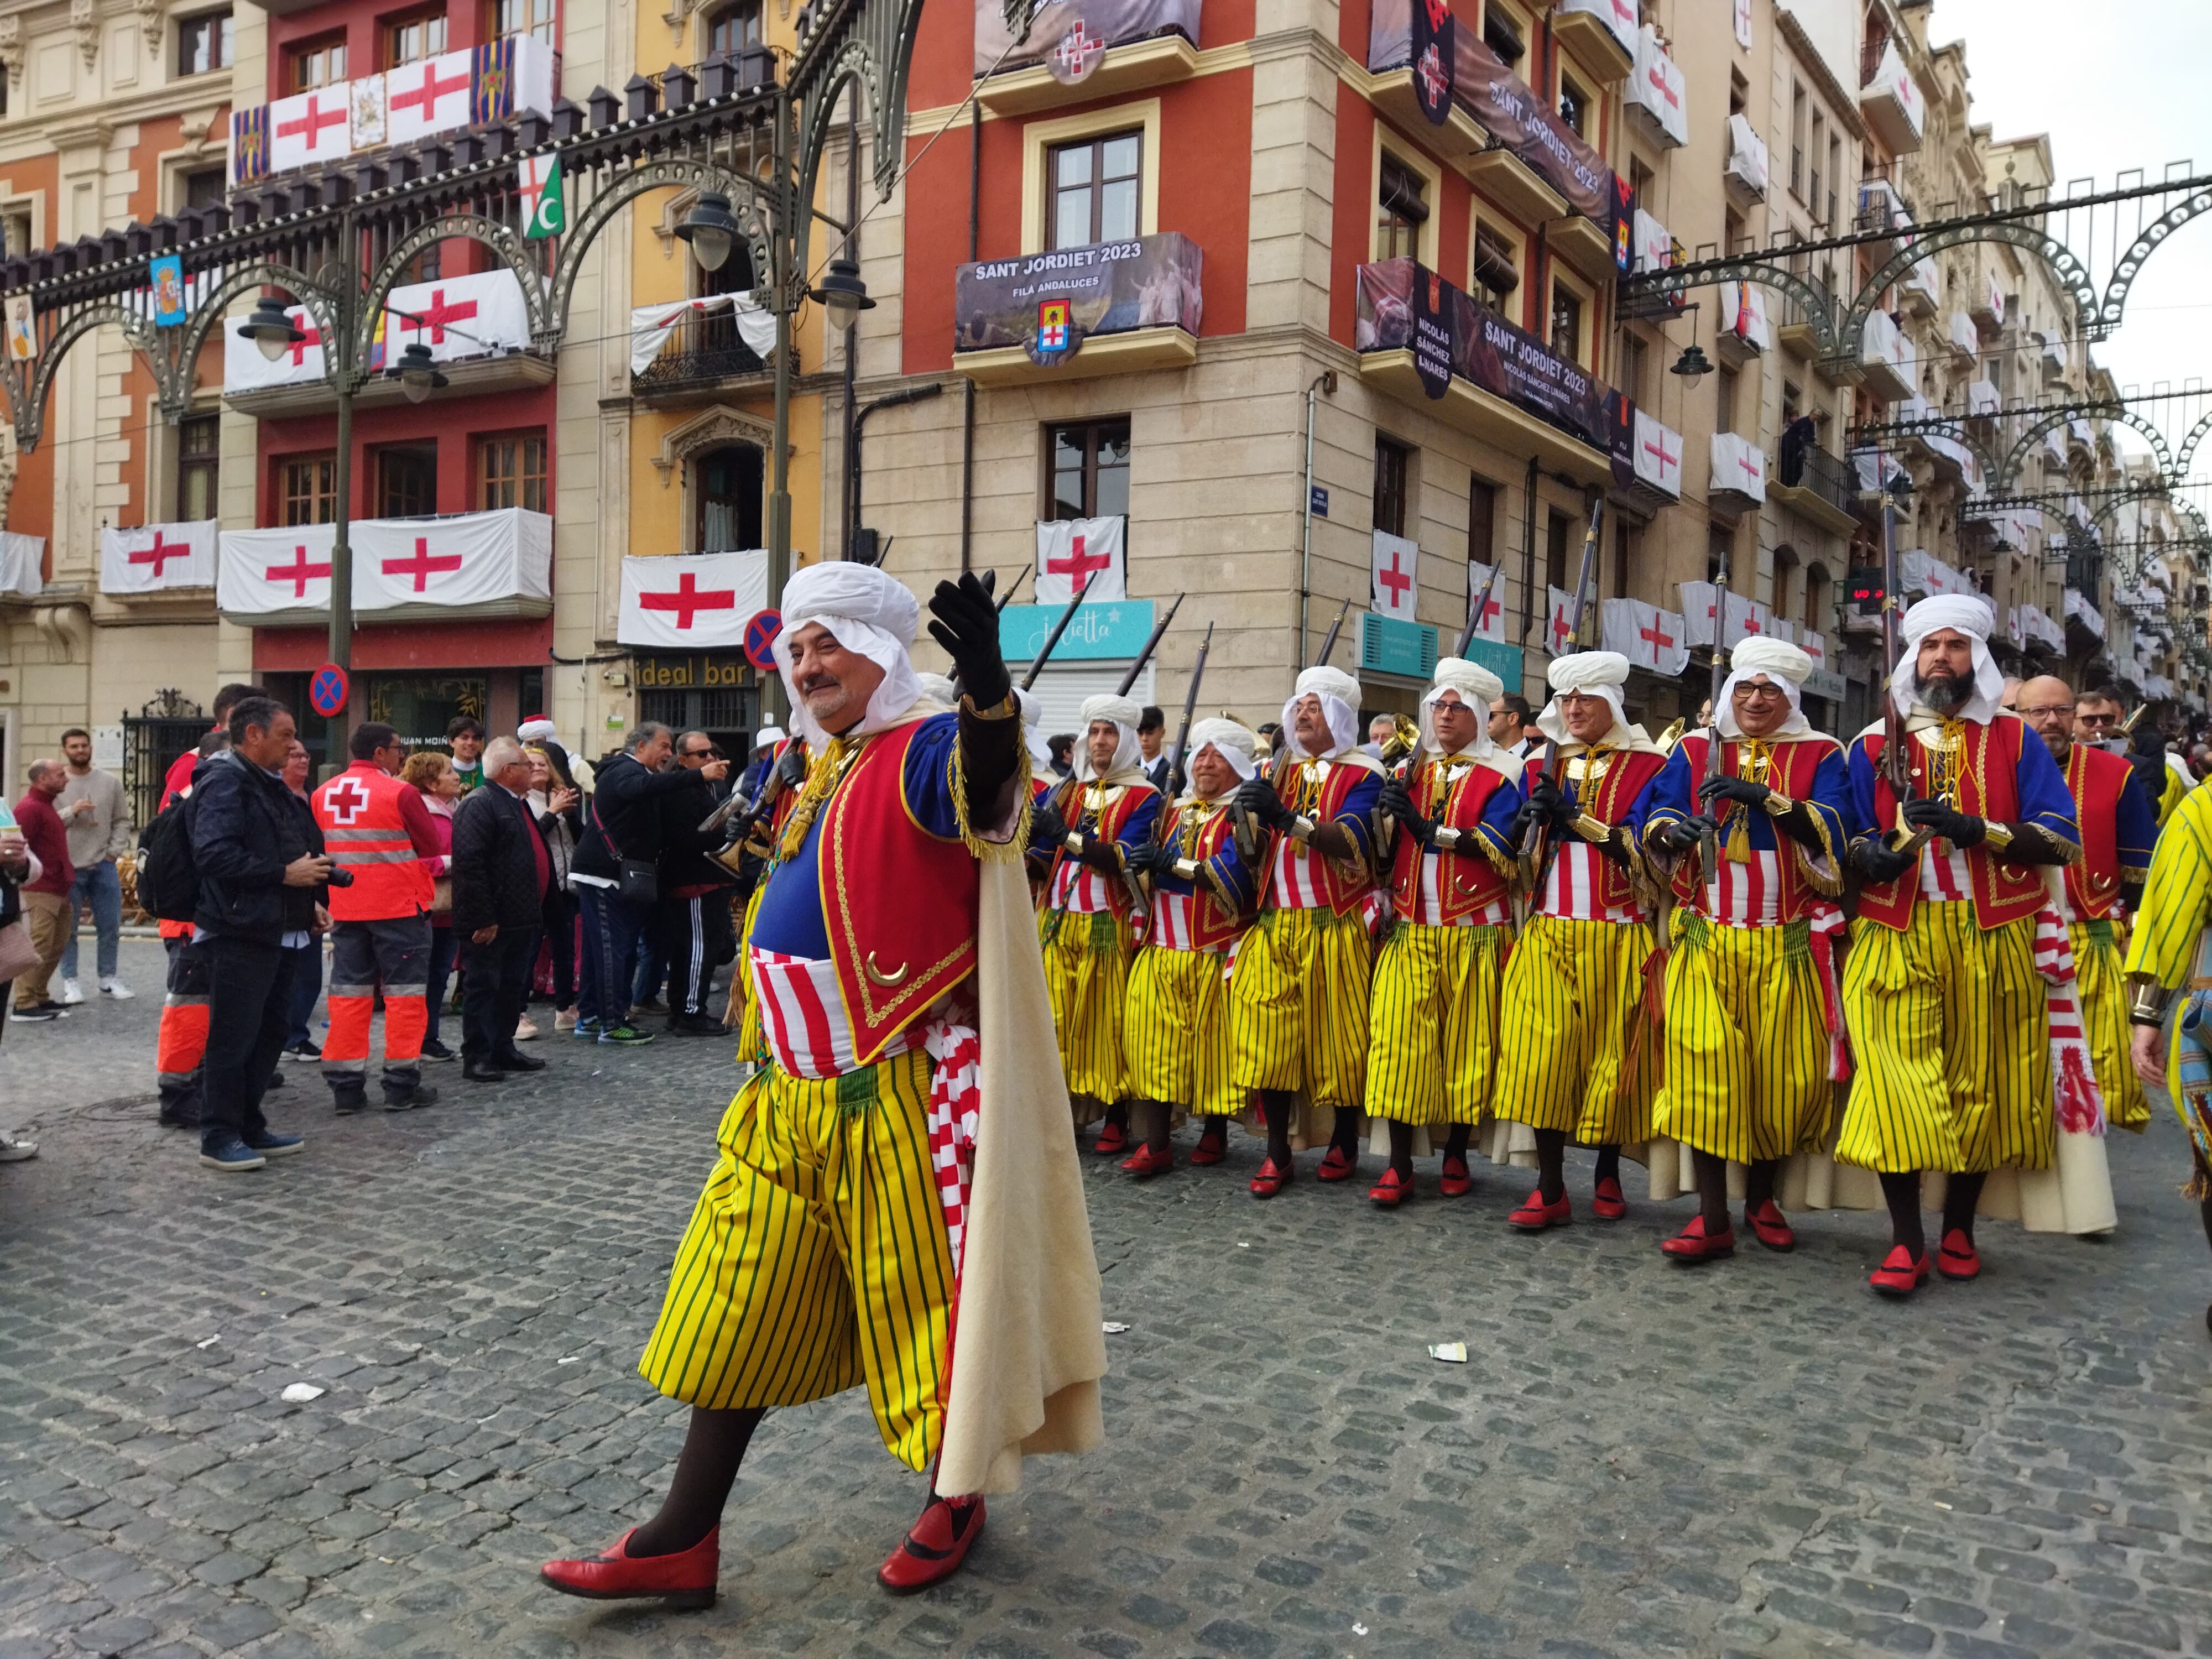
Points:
point(466, 734)
point(179, 777)
point(1151, 734)
point(1062, 748)
point(1271, 735)
point(308, 966)
point(1379, 730)
point(261, 869)
point(2009, 696)
point(617, 907)
point(46, 905)
point(433, 778)
point(1511, 717)
point(2098, 714)
point(765, 743)
point(97, 815)
point(556, 804)
point(693, 913)
point(500, 874)
point(18, 865)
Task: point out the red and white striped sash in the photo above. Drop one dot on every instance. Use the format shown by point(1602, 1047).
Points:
point(1428, 903)
point(2080, 1103)
point(1298, 875)
point(803, 1016)
point(1078, 889)
point(1571, 889)
point(1944, 880)
point(1746, 894)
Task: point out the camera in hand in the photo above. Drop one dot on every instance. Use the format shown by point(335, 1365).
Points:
point(341, 877)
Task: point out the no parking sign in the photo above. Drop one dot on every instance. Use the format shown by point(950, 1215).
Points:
point(760, 639)
point(329, 690)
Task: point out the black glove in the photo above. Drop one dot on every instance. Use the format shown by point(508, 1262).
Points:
point(1954, 827)
point(1154, 859)
point(1680, 835)
point(1398, 802)
point(791, 767)
point(1734, 789)
point(1550, 802)
point(1524, 824)
point(1258, 797)
point(1047, 828)
point(966, 624)
point(1878, 863)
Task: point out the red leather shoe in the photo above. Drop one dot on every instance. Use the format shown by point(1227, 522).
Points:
point(933, 1547)
point(685, 1580)
point(1111, 1139)
point(1148, 1163)
point(1336, 1164)
point(1271, 1179)
point(1455, 1182)
point(1211, 1148)
point(1694, 1246)
point(1391, 1191)
point(1606, 1203)
point(1770, 1227)
point(1958, 1258)
point(1535, 1215)
point(1900, 1273)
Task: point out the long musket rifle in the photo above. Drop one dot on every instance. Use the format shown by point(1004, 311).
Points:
point(1896, 740)
point(1178, 768)
point(1099, 807)
point(1240, 821)
point(1583, 581)
point(1708, 837)
point(1051, 640)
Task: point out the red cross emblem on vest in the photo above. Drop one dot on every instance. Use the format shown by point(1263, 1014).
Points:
point(345, 799)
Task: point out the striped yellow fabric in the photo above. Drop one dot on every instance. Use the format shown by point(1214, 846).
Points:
point(1086, 975)
point(1298, 1006)
point(1432, 1027)
point(1174, 1031)
point(815, 1257)
point(1952, 1041)
point(2104, 997)
point(1578, 1049)
point(2177, 897)
point(1746, 1042)
point(745, 1015)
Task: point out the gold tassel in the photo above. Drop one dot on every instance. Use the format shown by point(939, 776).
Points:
point(821, 775)
point(1736, 845)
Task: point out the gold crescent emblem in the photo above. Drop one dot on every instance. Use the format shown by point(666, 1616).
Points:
point(897, 976)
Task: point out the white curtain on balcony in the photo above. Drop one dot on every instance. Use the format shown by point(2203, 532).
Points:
point(20, 559)
point(650, 326)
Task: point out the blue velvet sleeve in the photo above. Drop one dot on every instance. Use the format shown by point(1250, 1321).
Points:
point(928, 783)
point(1139, 829)
point(1674, 791)
point(1858, 805)
point(1498, 813)
point(2137, 824)
point(1357, 815)
point(1831, 802)
point(2045, 802)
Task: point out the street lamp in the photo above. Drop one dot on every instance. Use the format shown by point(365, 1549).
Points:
point(417, 375)
point(270, 329)
point(709, 229)
point(842, 295)
point(1693, 366)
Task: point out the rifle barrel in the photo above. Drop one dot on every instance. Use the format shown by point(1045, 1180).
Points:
point(1328, 644)
point(1144, 655)
point(1059, 628)
point(1176, 763)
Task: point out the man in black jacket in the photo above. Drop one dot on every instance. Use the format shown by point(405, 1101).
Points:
point(693, 914)
point(500, 872)
point(261, 868)
point(626, 829)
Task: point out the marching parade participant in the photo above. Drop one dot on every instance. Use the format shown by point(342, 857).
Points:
point(1299, 991)
point(839, 1240)
point(1950, 1029)
point(1751, 1018)
point(1432, 1035)
point(1100, 816)
point(1583, 1058)
point(1176, 1030)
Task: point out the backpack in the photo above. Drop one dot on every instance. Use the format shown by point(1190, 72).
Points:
point(168, 880)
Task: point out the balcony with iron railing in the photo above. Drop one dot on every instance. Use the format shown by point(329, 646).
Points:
point(1816, 485)
point(705, 353)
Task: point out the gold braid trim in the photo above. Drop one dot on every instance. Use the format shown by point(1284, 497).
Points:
point(1015, 847)
point(824, 774)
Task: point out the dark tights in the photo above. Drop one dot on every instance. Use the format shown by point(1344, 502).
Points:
point(1552, 1160)
point(1402, 1146)
point(1275, 1107)
point(712, 1448)
point(1960, 1195)
point(1712, 1188)
point(1117, 1115)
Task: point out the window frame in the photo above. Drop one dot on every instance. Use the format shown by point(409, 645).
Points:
point(224, 33)
point(1095, 428)
point(1586, 104)
point(1393, 496)
point(190, 465)
point(1487, 228)
point(321, 499)
point(1094, 187)
point(707, 22)
point(330, 48)
point(1431, 177)
point(1040, 138)
point(550, 24)
point(413, 449)
point(518, 484)
point(388, 30)
point(1585, 352)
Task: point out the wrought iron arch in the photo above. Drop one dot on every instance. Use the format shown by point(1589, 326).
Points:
point(209, 315)
point(1818, 306)
point(29, 404)
point(447, 227)
point(2072, 275)
point(2188, 451)
point(2017, 456)
point(875, 51)
point(757, 216)
point(2129, 263)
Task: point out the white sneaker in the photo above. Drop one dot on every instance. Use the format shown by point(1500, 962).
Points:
point(15, 1151)
point(112, 986)
point(524, 1029)
point(71, 995)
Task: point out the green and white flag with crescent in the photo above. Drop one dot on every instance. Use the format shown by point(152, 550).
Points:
point(544, 211)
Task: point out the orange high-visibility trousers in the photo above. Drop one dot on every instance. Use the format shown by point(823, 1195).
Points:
point(182, 1040)
point(397, 952)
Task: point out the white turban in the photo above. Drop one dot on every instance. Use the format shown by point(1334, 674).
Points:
point(1233, 742)
point(939, 688)
point(1128, 756)
point(1778, 663)
point(1474, 686)
point(1593, 673)
point(1339, 704)
point(536, 729)
point(865, 611)
point(1968, 615)
point(1032, 717)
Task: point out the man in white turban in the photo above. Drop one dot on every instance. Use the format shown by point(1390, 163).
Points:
point(1176, 1035)
point(1432, 1039)
point(1090, 827)
point(1298, 993)
point(1950, 1031)
point(1750, 1002)
point(1583, 1061)
point(903, 1004)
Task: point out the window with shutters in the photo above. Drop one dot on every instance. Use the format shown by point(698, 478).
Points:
point(199, 441)
point(1497, 267)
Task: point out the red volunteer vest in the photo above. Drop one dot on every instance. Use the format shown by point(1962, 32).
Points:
point(2096, 780)
point(1466, 880)
point(1791, 768)
point(1989, 787)
point(1627, 772)
point(1074, 801)
point(358, 812)
point(898, 902)
point(1345, 893)
point(1212, 925)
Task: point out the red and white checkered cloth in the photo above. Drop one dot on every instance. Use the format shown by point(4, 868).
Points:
point(2080, 1104)
point(1826, 922)
point(955, 1100)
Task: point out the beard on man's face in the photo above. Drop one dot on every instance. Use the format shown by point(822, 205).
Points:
point(1942, 691)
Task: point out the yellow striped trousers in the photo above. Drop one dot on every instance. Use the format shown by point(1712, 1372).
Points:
point(1298, 1006)
point(2101, 988)
point(815, 1258)
point(1951, 1039)
point(1174, 1031)
point(743, 1015)
point(1433, 1044)
point(1746, 1042)
point(1086, 975)
point(1578, 1049)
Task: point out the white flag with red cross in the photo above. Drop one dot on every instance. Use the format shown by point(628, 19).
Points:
point(157, 555)
point(691, 602)
point(1070, 551)
point(1492, 625)
point(1396, 590)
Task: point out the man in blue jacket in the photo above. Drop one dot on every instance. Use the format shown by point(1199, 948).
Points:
point(260, 865)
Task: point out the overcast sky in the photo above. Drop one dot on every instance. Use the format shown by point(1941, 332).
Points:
point(2116, 86)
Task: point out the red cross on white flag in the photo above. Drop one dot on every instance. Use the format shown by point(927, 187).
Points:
point(1072, 551)
point(1395, 591)
point(157, 555)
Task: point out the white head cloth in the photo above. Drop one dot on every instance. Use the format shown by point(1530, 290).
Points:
point(1593, 673)
point(1339, 704)
point(1126, 766)
point(1968, 614)
point(867, 612)
point(1032, 717)
point(1476, 687)
point(1778, 663)
point(1233, 742)
point(939, 688)
point(536, 729)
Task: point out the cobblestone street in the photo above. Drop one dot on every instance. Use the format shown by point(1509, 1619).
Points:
point(1758, 1458)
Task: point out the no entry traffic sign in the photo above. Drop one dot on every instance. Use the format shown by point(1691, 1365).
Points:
point(760, 639)
point(328, 691)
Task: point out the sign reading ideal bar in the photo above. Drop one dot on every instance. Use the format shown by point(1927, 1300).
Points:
point(661, 672)
point(1050, 303)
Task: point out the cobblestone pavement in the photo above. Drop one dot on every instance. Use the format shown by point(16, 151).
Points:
point(1758, 1458)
